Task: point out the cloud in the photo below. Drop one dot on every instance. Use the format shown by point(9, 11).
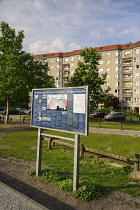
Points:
point(59, 25)
point(95, 34)
point(57, 45)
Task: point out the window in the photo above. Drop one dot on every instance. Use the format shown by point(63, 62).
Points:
point(51, 67)
point(136, 91)
point(51, 60)
point(108, 61)
point(101, 54)
point(72, 58)
point(127, 53)
point(58, 79)
point(127, 45)
point(58, 85)
point(117, 84)
point(117, 76)
point(136, 75)
point(136, 59)
point(107, 84)
point(117, 92)
point(117, 68)
point(58, 66)
point(136, 83)
point(136, 100)
point(58, 73)
point(107, 54)
point(100, 62)
point(71, 64)
point(118, 53)
point(136, 51)
point(58, 59)
point(100, 69)
point(117, 61)
point(44, 61)
point(66, 59)
point(107, 69)
point(79, 57)
point(100, 48)
point(108, 76)
point(136, 67)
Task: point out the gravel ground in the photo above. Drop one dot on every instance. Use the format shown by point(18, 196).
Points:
point(13, 173)
point(11, 199)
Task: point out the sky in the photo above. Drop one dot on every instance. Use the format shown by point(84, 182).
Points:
point(67, 25)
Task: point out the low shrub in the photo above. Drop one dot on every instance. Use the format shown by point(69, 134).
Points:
point(88, 191)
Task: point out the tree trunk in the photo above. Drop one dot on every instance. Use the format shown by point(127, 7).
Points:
point(7, 112)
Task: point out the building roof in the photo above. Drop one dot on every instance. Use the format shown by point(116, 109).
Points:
point(99, 49)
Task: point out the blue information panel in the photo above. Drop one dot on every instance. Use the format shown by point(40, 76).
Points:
point(63, 109)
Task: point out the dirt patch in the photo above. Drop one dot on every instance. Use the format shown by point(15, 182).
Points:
point(13, 173)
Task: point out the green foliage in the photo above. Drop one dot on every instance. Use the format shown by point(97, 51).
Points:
point(66, 185)
point(112, 102)
point(49, 175)
point(19, 73)
point(88, 191)
point(31, 173)
point(105, 110)
point(132, 114)
point(87, 74)
point(125, 170)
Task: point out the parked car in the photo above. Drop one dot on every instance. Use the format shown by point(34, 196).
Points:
point(97, 115)
point(27, 111)
point(2, 110)
point(13, 111)
point(21, 110)
point(115, 116)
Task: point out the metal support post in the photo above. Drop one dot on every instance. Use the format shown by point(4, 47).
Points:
point(39, 152)
point(76, 162)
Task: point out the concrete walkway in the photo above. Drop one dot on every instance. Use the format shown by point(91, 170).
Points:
point(11, 199)
point(114, 131)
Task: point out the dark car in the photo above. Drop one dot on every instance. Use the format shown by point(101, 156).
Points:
point(2, 110)
point(115, 116)
point(97, 115)
point(13, 111)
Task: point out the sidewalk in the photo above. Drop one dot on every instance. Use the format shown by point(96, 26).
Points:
point(114, 131)
point(11, 199)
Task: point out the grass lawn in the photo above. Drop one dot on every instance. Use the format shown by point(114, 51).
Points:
point(22, 145)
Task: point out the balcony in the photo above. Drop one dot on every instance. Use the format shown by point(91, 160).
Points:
point(127, 86)
point(127, 79)
point(127, 94)
point(127, 70)
point(66, 75)
point(127, 63)
point(124, 102)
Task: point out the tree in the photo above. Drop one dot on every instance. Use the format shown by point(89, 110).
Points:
point(87, 74)
point(19, 72)
point(112, 102)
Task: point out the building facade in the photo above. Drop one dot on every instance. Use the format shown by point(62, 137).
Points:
point(120, 62)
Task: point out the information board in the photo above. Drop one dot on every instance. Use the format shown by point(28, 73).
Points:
point(63, 109)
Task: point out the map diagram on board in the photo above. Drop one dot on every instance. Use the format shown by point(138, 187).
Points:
point(57, 102)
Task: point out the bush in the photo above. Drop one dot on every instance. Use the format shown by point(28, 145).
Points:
point(105, 110)
point(88, 191)
point(49, 175)
point(66, 185)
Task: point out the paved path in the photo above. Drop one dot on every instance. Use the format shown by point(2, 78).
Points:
point(114, 131)
point(11, 199)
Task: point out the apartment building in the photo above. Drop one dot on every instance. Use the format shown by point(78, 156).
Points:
point(120, 62)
